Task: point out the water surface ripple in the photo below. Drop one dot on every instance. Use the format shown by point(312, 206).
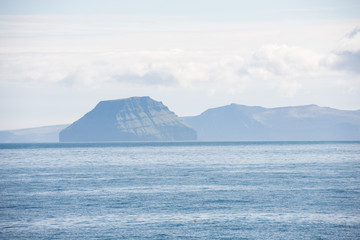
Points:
point(279, 190)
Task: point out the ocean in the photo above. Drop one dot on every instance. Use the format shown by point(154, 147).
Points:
point(181, 190)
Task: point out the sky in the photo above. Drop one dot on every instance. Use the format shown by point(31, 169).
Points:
point(58, 59)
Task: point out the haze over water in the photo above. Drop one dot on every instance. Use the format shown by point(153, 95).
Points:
point(278, 190)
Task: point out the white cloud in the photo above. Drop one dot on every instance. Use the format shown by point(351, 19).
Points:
point(350, 42)
point(286, 68)
point(346, 55)
point(290, 88)
point(283, 60)
point(210, 63)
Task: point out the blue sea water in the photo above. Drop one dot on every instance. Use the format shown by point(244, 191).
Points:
point(273, 190)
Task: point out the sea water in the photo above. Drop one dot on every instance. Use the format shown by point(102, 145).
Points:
point(274, 190)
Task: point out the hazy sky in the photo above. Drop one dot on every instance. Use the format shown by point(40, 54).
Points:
point(59, 58)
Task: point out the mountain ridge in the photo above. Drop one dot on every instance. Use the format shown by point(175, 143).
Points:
point(235, 122)
point(252, 124)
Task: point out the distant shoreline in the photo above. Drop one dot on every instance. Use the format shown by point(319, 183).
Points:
point(163, 144)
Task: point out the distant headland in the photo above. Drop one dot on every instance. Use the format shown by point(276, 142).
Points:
point(131, 119)
point(144, 119)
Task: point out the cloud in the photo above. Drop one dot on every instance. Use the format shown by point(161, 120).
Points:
point(286, 69)
point(346, 56)
point(151, 78)
point(275, 60)
point(290, 88)
point(88, 52)
point(353, 33)
point(348, 61)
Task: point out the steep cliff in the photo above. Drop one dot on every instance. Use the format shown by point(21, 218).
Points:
point(131, 119)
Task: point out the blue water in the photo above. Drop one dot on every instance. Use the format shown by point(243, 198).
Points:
point(279, 190)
